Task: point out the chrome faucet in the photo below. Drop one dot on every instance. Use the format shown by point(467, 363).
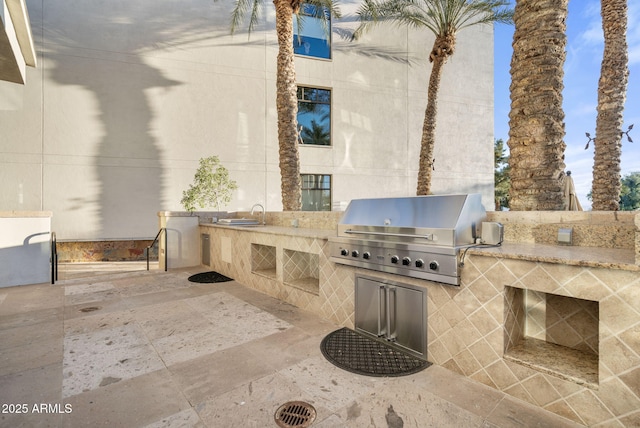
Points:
point(264, 214)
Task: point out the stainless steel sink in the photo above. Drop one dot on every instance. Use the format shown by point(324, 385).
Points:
point(238, 222)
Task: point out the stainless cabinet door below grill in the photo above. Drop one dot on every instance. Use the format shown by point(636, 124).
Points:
point(393, 312)
point(407, 318)
point(370, 307)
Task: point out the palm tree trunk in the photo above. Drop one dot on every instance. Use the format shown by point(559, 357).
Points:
point(536, 125)
point(612, 90)
point(427, 143)
point(287, 105)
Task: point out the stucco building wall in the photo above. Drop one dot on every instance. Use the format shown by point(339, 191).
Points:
point(128, 96)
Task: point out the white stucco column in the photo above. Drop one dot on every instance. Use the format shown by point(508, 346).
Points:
point(183, 240)
point(25, 252)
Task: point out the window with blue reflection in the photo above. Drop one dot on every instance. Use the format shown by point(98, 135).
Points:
point(312, 39)
point(314, 116)
point(316, 192)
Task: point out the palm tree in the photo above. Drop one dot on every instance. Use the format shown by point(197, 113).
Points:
point(536, 119)
point(444, 18)
point(286, 99)
point(612, 90)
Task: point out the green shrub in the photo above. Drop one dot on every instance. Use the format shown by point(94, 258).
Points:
point(211, 186)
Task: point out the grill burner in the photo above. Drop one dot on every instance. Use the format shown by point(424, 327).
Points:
point(419, 237)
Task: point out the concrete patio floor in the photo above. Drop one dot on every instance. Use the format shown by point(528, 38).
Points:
point(151, 349)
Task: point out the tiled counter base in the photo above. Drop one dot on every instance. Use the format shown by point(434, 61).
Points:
point(496, 328)
point(571, 337)
point(291, 264)
point(593, 378)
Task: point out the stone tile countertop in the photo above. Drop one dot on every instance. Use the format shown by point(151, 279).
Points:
point(623, 259)
point(277, 230)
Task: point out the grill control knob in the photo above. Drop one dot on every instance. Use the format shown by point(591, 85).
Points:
point(395, 259)
point(366, 255)
point(434, 265)
point(419, 263)
point(344, 252)
point(355, 253)
point(406, 261)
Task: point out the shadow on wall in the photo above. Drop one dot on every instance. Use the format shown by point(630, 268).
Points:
point(106, 48)
point(27, 263)
point(127, 160)
point(110, 50)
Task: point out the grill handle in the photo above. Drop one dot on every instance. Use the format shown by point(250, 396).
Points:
point(391, 314)
point(398, 235)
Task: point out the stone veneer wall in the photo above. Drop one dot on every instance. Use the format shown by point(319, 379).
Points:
point(603, 229)
point(326, 220)
point(104, 251)
point(133, 250)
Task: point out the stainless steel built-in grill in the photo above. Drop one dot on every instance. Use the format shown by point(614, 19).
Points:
point(419, 237)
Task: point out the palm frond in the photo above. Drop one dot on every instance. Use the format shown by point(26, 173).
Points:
point(323, 10)
point(373, 12)
point(441, 17)
point(483, 12)
point(240, 11)
point(322, 7)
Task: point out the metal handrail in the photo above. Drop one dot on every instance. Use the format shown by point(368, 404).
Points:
point(54, 258)
point(148, 249)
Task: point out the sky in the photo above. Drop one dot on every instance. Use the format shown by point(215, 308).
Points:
point(580, 95)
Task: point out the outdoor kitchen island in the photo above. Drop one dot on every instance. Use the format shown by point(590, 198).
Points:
point(513, 308)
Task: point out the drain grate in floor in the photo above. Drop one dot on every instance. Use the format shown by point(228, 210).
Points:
point(356, 353)
point(209, 277)
point(295, 414)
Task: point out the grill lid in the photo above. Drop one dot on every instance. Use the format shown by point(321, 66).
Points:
point(448, 220)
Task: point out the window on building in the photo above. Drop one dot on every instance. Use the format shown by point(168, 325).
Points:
point(312, 38)
point(316, 192)
point(314, 116)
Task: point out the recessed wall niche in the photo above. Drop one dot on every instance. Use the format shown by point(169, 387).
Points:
point(263, 260)
point(558, 335)
point(301, 270)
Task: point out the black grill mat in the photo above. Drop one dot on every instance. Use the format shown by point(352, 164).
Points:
point(359, 354)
